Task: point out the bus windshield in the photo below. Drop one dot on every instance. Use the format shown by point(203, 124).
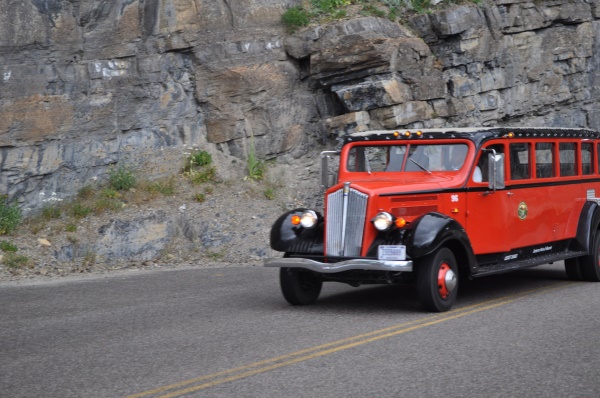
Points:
point(407, 158)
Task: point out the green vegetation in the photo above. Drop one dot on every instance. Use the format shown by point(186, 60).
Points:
point(215, 255)
point(206, 175)
point(269, 193)
point(371, 10)
point(201, 158)
point(196, 159)
point(256, 167)
point(420, 6)
point(79, 210)
point(110, 193)
point(320, 11)
point(295, 17)
point(200, 197)
point(50, 212)
point(8, 247)
point(86, 192)
point(121, 178)
point(198, 167)
point(13, 260)
point(10, 216)
point(164, 186)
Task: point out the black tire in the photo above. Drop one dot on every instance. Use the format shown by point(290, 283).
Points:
point(590, 264)
point(573, 268)
point(299, 287)
point(432, 295)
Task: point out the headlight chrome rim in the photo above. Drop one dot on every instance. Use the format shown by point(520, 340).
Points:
point(309, 219)
point(383, 221)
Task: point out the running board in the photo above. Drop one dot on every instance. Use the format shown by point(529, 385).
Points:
point(502, 267)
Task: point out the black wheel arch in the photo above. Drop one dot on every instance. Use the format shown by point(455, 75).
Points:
point(433, 231)
point(287, 237)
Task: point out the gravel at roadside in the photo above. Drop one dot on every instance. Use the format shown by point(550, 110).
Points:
point(229, 228)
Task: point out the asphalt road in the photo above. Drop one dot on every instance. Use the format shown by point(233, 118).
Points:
point(227, 332)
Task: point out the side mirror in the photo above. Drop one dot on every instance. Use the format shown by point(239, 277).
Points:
point(496, 170)
point(325, 173)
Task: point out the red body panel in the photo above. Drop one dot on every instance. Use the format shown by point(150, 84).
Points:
point(526, 212)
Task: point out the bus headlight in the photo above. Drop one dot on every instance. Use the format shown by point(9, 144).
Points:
point(383, 221)
point(309, 219)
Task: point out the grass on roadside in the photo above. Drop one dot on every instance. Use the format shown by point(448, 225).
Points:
point(322, 11)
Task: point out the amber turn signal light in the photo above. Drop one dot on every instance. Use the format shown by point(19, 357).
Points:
point(296, 220)
point(400, 222)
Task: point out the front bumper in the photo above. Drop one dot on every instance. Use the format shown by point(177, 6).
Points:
point(347, 265)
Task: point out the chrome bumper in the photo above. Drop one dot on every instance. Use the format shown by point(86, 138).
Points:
point(355, 264)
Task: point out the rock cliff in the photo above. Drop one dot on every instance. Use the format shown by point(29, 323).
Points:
point(88, 84)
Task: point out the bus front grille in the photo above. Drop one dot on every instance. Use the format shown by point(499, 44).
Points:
point(346, 211)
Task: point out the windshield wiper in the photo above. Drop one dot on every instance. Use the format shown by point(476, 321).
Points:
point(422, 167)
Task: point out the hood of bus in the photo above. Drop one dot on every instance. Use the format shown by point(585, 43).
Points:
point(402, 185)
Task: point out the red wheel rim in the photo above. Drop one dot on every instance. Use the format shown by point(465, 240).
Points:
point(442, 286)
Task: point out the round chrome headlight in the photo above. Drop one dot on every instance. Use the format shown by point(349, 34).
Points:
point(383, 221)
point(309, 219)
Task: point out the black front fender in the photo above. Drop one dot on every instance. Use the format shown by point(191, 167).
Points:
point(290, 238)
point(430, 231)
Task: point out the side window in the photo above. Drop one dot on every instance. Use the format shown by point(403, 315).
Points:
point(519, 162)
point(544, 160)
point(567, 158)
point(587, 158)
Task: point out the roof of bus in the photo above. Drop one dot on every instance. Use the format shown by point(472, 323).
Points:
point(477, 134)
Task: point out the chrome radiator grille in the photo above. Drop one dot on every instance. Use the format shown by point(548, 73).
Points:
point(345, 222)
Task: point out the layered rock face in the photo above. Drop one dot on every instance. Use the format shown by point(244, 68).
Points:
point(87, 84)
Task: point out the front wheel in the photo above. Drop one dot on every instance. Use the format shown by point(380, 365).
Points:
point(299, 287)
point(437, 280)
point(590, 264)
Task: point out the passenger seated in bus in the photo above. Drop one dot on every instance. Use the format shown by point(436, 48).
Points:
point(477, 177)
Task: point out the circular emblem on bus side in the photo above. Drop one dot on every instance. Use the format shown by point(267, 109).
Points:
point(522, 211)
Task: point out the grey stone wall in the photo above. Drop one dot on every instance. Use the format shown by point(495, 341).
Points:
point(87, 84)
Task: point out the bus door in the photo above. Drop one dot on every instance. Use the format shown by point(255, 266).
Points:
point(487, 225)
point(539, 209)
point(525, 203)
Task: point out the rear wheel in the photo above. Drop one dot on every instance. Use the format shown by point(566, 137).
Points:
point(590, 264)
point(299, 287)
point(573, 268)
point(437, 280)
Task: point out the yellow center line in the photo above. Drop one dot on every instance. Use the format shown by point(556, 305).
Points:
point(329, 348)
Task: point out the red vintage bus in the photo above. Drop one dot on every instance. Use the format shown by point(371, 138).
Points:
point(436, 204)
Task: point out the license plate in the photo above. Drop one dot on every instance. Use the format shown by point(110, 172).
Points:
point(391, 252)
